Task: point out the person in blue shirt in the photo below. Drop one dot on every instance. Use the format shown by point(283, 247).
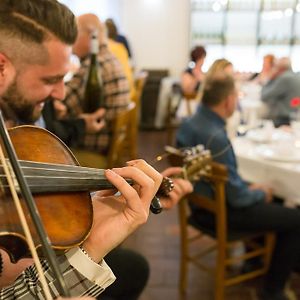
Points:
point(249, 207)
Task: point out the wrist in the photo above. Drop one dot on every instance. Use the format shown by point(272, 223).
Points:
point(87, 254)
point(93, 254)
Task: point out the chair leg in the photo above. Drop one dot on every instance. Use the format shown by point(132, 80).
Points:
point(269, 245)
point(183, 273)
point(184, 247)
point(220, 271)
point(219, 285)
point(220, 290)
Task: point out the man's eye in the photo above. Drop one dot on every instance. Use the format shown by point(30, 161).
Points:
point(52, 81)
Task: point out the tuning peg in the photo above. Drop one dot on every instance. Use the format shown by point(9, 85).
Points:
point(199, 148)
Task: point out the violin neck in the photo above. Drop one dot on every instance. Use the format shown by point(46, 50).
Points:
point(47, 178)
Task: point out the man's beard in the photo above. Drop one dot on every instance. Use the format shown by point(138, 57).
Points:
point(22, 108)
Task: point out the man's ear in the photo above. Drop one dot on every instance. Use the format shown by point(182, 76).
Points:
point(226, 102)
point(7, 72)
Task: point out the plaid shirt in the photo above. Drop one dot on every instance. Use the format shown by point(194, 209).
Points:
point(27, 285)
point(116, 95)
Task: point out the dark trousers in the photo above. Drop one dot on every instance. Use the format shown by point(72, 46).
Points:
point(285, 222)
point(132, 272)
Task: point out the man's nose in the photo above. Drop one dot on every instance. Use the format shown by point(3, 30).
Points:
point(58, 91)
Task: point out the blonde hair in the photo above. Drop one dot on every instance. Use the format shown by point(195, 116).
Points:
point(217, 67)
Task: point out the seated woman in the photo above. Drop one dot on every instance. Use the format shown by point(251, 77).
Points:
point(221, 65)
point(190, 82)
point(193, 76)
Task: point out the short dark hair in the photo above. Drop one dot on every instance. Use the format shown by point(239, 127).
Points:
point(217, 88)
point(31, 20)
point(198, 52)
point(112, 30)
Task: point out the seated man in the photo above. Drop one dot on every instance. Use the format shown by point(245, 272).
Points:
point(35, 46)
point(277, 93)
point(248, 207)
point(115, 84)
point(44, 31)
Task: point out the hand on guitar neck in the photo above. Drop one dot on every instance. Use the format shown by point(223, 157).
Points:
point(192, 163)
point(181, 188)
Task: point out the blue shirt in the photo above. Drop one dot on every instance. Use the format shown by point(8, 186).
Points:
point(208, 128)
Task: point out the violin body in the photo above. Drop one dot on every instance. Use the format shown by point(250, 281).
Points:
point(67, 216)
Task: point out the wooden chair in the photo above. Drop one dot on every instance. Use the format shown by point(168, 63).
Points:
point(188, 98)
point(223, 240)
point(173, 102)
point(121, 133)
point(139, 82)
point(171, 122)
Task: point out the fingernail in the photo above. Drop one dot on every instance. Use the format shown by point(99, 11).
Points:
point(131, 162)
point(110, 172)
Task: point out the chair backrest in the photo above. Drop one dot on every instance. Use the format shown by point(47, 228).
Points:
point(140, 80)
point(121, 131)
point(188, 98)
point(217, 177)
point(122, 134)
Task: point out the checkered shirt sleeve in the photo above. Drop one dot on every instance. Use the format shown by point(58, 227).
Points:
point(27, 285)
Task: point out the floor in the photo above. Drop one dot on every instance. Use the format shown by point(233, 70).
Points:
point(158, 241)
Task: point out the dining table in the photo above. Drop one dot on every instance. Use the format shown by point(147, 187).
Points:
point(271, 156)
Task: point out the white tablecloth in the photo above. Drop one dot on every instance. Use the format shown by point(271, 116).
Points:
point(283, 177)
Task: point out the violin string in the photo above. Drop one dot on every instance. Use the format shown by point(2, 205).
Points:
point(88, 173)
point(25, 226)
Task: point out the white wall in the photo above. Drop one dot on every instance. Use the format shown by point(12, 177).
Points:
point(158, 31)
point(102, 8)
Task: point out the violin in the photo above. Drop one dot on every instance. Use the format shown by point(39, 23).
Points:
point(61, 191)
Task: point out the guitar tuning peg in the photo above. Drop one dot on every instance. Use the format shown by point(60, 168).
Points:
point(199, 148)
